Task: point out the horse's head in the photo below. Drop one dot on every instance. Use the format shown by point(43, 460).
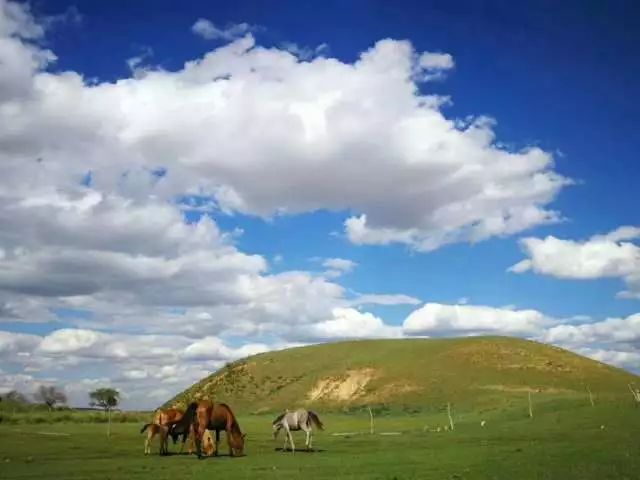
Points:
point(277, 424)
point(237, 443)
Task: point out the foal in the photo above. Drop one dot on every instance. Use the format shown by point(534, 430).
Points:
point(298, 420)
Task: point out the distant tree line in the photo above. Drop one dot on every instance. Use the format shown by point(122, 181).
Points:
point(51, 396)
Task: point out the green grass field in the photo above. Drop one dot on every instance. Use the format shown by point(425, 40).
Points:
point(563, 441)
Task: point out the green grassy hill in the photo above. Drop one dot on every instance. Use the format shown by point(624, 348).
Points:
point(410, 374)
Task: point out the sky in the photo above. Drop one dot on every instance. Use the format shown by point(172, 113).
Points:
point(186, 183)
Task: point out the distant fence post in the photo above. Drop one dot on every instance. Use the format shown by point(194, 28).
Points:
point(371, 428)
point(450, 417)
point(635, 393)
point(530, 406)
point(590, 396)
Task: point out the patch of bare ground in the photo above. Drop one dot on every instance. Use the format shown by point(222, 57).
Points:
point(346, 387)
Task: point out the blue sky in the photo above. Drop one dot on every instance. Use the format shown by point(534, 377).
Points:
point(363, 219)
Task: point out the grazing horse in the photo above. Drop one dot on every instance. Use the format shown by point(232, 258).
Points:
point(218, 417)
point(153, 430)
point(300, 419)
point(162, 426)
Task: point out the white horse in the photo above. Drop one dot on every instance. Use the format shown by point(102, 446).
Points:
point(300, 419)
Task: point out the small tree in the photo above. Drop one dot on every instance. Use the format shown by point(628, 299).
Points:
point(106, 398)
point(49, 395)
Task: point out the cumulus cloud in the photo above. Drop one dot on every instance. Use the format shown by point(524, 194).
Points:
point(439, 319)
point(206, 29)
point(385, 299)
point(611, 330)
point(96, 177)
point(613, 255)
point(337, 267)
point(349, 323)
point(227, 124)
point(621, 358)
point(135, 364)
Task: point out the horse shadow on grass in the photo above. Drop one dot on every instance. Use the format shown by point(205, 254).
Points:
point(302, 450)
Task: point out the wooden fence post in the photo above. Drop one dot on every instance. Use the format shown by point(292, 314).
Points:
point(635, 393)
point(590, 396)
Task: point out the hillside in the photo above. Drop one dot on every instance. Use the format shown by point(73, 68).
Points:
point(407, 373)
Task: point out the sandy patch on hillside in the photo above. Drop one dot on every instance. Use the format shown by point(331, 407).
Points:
point(346, 387)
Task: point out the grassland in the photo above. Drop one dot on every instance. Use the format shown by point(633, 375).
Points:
point(566, 439)
point(407, 384)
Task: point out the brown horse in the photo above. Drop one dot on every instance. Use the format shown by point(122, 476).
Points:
point(162, 421)
point(218, 417)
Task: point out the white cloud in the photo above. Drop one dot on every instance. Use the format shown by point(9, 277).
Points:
point(612, 255)
point(621, 358)
point(337, 267)
point(228, 124)
point(153, 300)
point(136, 365)
point(350, 323)
point(212, 348)
point(206, 29)
point(385, 299)
point(436, 61)
point(435, 318)
point(13, 344)
point(611, 330)
point(342, 264)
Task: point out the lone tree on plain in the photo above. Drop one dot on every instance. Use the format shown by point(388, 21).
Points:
point(49, 395)
point(106, 398)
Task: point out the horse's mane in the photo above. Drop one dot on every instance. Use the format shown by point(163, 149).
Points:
point(278, 418)
point(234, 423)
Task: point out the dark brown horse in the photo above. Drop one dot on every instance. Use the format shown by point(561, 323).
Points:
point(218, 417)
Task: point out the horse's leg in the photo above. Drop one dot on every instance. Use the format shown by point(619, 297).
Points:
point(191, 435)
point(286, 437)
point(147, 443)
point(308, 441)
point(228, 435)
point(198, 432)
point(184, 439)
point(293, 447)
point(162, 442)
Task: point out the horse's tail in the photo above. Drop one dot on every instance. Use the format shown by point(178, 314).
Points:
point(146, 425)
point(315, 420)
